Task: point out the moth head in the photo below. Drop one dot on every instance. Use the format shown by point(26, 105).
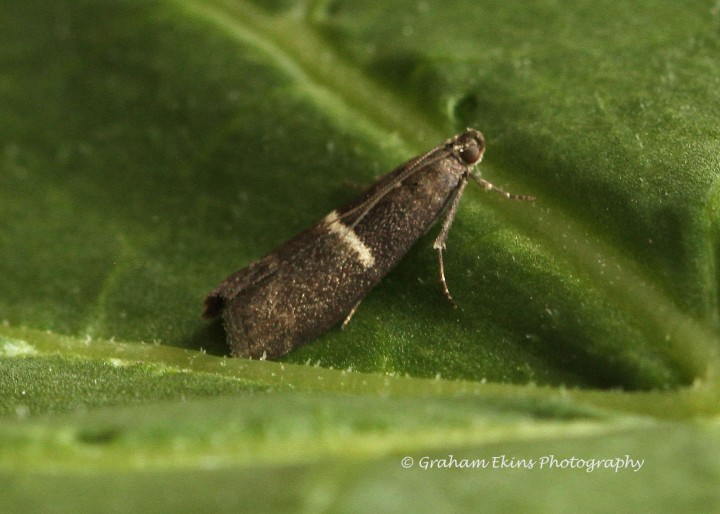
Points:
point(469, 147)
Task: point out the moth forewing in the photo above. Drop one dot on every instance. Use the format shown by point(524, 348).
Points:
point(315, 280)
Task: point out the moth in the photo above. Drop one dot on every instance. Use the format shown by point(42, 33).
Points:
point(317, 279)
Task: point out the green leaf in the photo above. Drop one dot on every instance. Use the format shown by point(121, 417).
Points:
point(149, 149)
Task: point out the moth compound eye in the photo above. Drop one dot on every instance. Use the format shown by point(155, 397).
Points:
point(470, 154)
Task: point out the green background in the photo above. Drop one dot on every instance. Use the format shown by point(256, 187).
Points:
point(150, 148)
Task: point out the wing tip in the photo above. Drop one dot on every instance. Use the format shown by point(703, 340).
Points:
point(214, 305)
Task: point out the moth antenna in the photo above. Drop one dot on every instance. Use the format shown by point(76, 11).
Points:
point(489, 186)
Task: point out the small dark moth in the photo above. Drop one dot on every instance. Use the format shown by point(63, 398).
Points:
point(318, 278)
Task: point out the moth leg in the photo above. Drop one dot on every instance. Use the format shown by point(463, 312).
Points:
point(442, 280)
point(350, 314)
point(439, 243)
point(489, 186)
